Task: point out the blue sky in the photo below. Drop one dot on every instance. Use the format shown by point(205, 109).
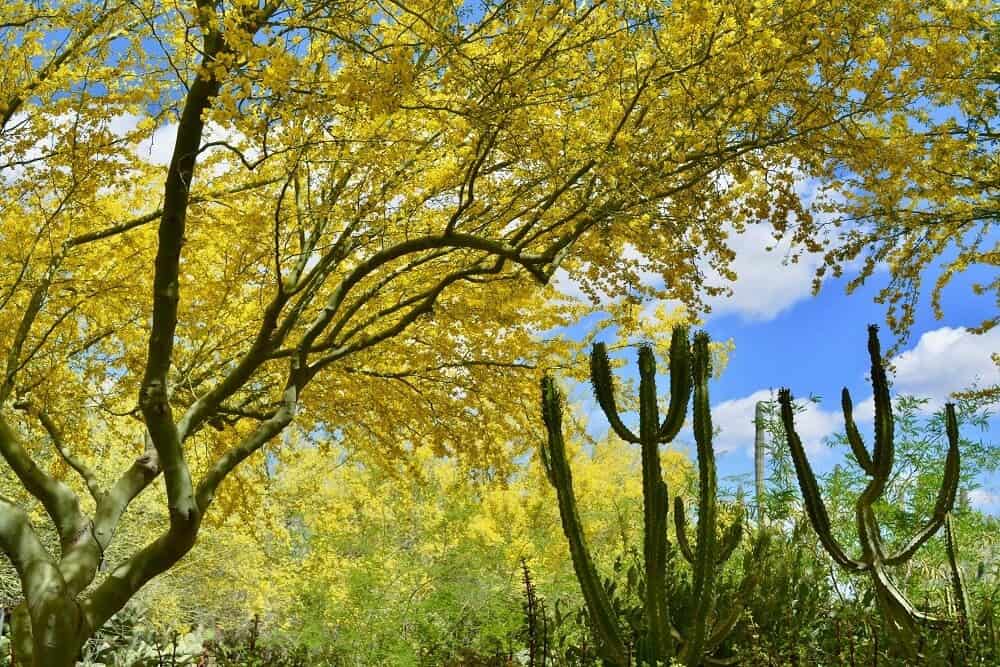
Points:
point(784, 336)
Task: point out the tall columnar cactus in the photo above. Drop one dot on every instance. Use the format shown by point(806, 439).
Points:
point(957, 581)
point(900, 615)
point(702, 634)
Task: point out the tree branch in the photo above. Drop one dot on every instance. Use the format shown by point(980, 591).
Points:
point(55, 433)
point(61, 504)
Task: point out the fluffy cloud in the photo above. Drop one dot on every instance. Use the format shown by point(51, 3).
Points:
point(735, 421)
point(946, 360)
point(766, 284)
point(157, 148)
point(985, 500)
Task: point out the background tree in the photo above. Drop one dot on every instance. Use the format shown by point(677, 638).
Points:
point(357, 197)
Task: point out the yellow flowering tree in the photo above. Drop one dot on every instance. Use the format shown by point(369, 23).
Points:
point(357, 201)
point(419, 561)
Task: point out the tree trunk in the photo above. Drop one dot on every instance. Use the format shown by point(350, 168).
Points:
point(58, 641)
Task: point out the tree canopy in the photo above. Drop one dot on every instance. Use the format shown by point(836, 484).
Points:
point(358, 202)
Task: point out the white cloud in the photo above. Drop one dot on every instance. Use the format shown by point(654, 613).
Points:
point(735, 421)
point(571, 288)
point(943, 361)
point(766, 284)
point(985, 500)
point(158, 147)
point(865, 410)
point(564, 283)
point(947, 360)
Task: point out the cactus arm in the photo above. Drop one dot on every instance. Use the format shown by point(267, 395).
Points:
point(957, 580)
point(558, 470)
point(854, 436)
point(946, 495)
point(883, 456)
point(680, 384)
point(721, 662)
point(815, 507)
point(604, 391)
point(868, 533)
point(730, 540)
point(898, 613)
point(703, 590)
point(680, 528)
point(723, 626)
point(901, 616)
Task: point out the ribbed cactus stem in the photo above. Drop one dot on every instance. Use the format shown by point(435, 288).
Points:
point(853, 435)
point(657, 610)
point(680, 529)
point(815, 507)
point(662, 638)
point(612, 645)
point(730, 540)
point(706, 552)
point(883, 456)
point(900, 615)
point(957, 580)
point(946, 494)
point(654, 505)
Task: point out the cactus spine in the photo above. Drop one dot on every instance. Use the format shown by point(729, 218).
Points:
point(900, 615)
point(663, 640)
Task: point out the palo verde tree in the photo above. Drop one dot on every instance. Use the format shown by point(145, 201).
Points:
point(357, 198)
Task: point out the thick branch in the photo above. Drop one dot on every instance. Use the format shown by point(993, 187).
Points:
point(114, 503)
point(18, 539)
point(419, 244)
point(59, 501)
point(55, 433)
point(153, 216)
point(258, 353)
point(154, 394)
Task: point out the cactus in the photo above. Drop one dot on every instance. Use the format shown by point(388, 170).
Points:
point(957, 581)
point(900, 615)
point(701, 635)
